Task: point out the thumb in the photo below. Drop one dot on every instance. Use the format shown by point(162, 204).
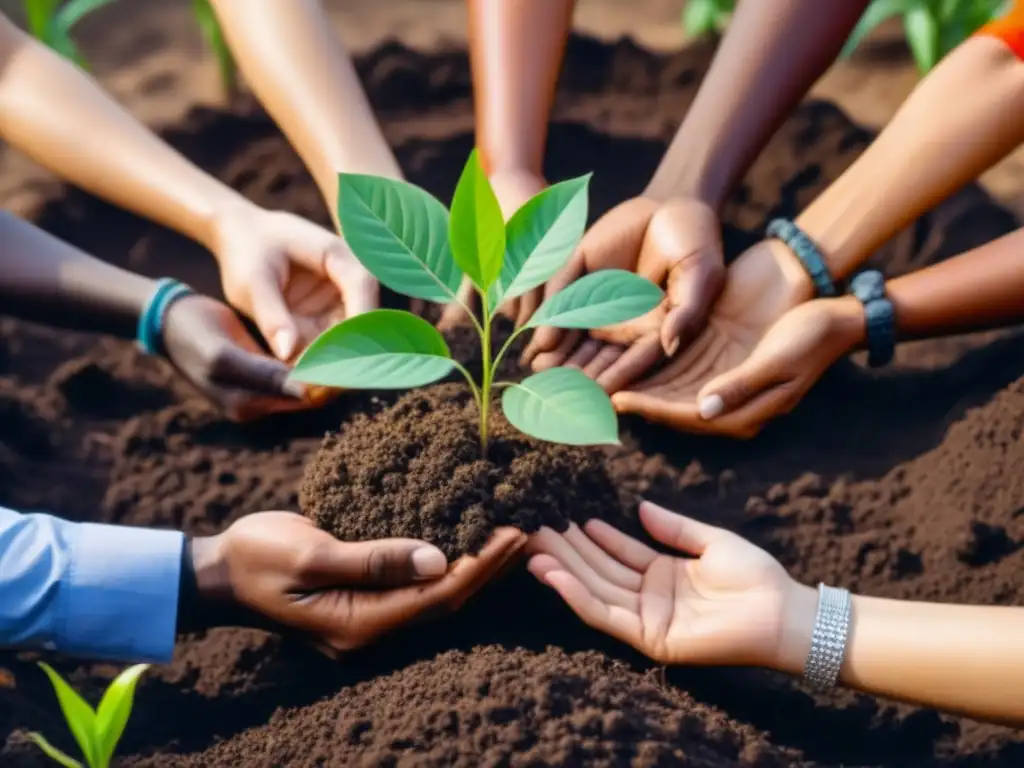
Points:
point(382, 563)
point(733, 389)
point(359, 291)
point(272, 316)
point(693, 288)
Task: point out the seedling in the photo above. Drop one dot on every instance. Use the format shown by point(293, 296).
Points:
point(51, 22)
point(705, 17)
point(406, 238)
point(933, 27)
point(96, 731)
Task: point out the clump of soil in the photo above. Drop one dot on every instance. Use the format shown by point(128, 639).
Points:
point(417, 470)
point(496, 707)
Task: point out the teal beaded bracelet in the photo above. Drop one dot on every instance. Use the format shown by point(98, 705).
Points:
point(807, 252)
point(149, 334)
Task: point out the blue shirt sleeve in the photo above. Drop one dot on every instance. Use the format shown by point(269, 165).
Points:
point(96, 591)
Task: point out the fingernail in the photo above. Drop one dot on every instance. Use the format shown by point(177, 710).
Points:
point(284, 343)
point(429, 563)
point(711, 406)
point(295, 389)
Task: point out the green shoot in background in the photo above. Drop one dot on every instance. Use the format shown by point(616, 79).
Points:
point(96, 731)
point(408, 240)
point(706, 17)
point(51, 21)
point(933, 27)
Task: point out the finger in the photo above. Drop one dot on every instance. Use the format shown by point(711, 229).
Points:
point(360, 292)
point(660, 410)
point(455, 313)
point(675, 530)
point(603, 360)
point(272, 316)
point(735, 388)
point(384, 563)
point(603, 564)
point(546, 338)
point(559, 355)
point(528, 304)
point(253, 372)
point(584, 353)
point(632, 553)
point(546, 541)
point(693, 288)
point(637, 360)
point(613, 620)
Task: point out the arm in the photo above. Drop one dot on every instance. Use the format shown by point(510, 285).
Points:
point(89, 590)
point(305, 79)
point(961, 119)
point(58, 115)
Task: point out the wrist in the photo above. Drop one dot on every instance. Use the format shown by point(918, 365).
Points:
point(799, 609)
point(225, 218)
point(204, 586)
point(846, 314)
point(690, 177)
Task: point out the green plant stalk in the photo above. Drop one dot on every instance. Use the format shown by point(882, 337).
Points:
point(488, 371)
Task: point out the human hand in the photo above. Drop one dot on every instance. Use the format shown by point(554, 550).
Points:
point(676, 244)
point(343, 595)
point(208, 344)
point(293, 278)
point(513, 188)
point(726, 603)
point(764, 283)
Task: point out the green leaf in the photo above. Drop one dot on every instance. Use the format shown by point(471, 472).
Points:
point(923, 36)
point(214, 36)
point(540, 237)
point(599, 299)
point(477, 228)
point(878, 12)
point(562, 405)
point(74, 11)
point(53, 753)
point(700, 17)
point(39, 16)
point(80, 716)
point(400, 234)
point(114, 709)
point(383, 349)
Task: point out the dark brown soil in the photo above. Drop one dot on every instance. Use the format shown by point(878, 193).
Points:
point(417, 470)
point(899, 484)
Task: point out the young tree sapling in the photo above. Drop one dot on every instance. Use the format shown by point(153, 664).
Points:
point(96, 731)
point(406, 238)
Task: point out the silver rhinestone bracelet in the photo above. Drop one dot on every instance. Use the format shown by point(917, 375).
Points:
point(828, 641)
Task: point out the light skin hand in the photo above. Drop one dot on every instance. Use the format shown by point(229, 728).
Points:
point(341, 595)
point(724, 601)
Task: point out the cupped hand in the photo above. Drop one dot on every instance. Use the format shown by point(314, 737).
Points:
point(676, 244)
point(764, 283)
point(294, 279)
point(513, 188)
point(342, 595)
point(726, 602)
point(209, 345)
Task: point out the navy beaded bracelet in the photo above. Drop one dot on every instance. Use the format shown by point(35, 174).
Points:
point(151, 322)
point(879, 316)
point(808, 253)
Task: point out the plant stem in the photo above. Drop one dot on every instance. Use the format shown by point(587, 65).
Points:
point(488, 371)
point(504, 349)
point(469, 380)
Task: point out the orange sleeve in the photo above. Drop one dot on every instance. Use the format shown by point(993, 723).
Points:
point(1009, 29)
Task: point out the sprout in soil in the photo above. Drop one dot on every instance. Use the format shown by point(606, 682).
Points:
point(97, 732)
point(406, 239)
point(51, 22)
point(933, 27)
point(706, 17)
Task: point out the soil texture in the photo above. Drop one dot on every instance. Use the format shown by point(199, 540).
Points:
point(900, 484)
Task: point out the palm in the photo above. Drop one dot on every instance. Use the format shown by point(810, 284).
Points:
point(724, 606)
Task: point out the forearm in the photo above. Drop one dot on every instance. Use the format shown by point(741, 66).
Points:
point(58, 115)
point(959, 121)
point(516, 51)
point(771, 55)
point(301, 73)
point(44, 278)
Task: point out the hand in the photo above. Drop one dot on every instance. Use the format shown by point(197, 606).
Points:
point(293, 278)
point(513, 189)
point(729, 603)
point(343, 595)
point(208, 344)
point(676, 244)
point(760, 287)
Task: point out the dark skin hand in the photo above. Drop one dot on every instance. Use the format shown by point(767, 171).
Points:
point(46, 279)
point(280, 567)
point(771, 55)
